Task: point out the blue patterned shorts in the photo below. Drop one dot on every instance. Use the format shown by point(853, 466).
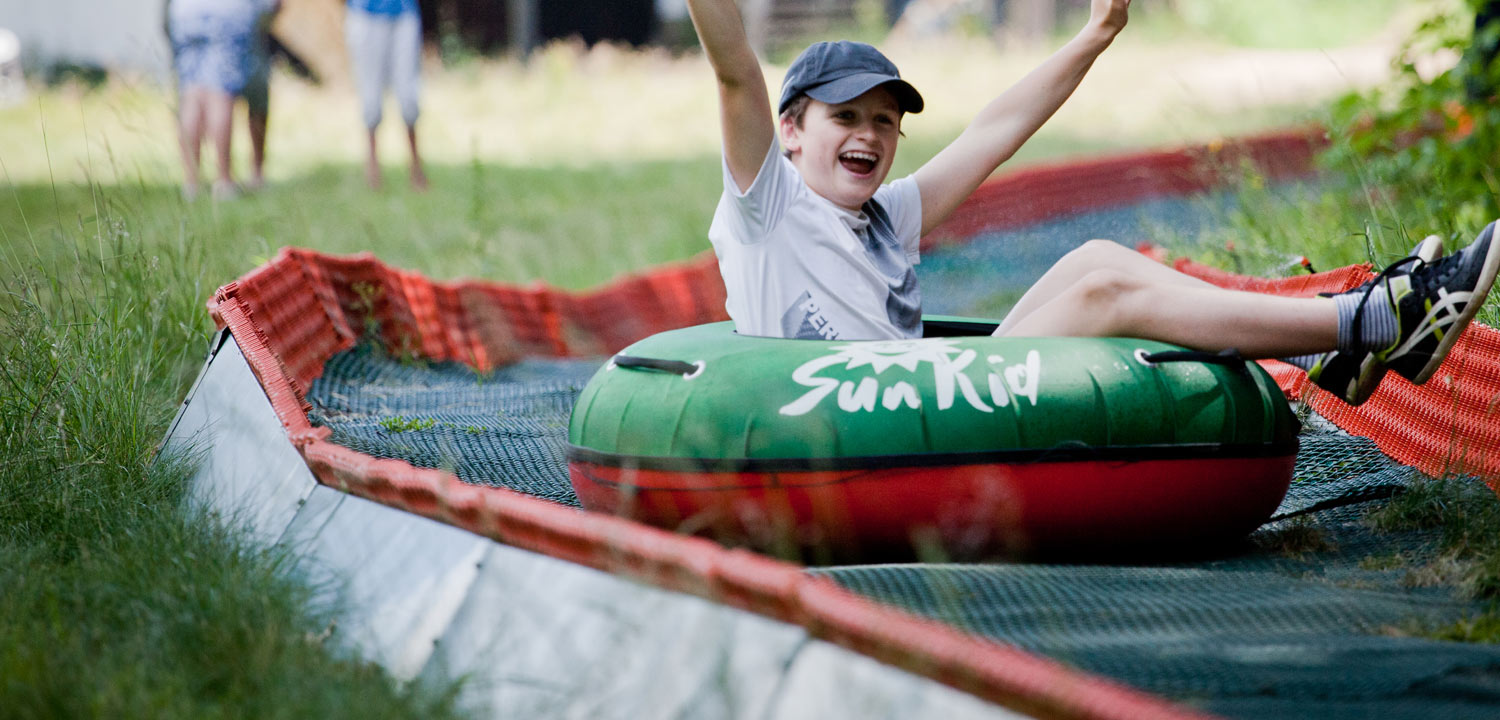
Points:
point(214, 50)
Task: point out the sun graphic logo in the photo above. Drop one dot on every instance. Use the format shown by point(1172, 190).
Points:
point(854, 373)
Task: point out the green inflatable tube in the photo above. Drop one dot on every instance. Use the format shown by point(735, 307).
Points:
point(702, 428)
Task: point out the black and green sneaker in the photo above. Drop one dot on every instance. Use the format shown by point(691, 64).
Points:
point(1435, 303)
point(1353, 377)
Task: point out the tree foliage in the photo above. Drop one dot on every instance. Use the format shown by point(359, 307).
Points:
point(1430, 142)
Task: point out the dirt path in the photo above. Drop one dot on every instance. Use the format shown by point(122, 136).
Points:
point(1243, 78)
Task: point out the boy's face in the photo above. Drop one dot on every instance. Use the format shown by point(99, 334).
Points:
point(844, 151)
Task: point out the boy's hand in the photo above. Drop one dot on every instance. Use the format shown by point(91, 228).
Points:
point(1109, 16)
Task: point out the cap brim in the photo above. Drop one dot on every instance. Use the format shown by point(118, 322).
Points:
point(847, 88)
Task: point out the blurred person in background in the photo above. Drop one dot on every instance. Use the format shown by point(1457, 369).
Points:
point(214, 56)
point(385, 49)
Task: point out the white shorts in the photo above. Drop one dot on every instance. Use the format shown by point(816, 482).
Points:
point(385, 51)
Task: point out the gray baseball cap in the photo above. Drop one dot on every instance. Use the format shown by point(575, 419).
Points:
point(835, 72)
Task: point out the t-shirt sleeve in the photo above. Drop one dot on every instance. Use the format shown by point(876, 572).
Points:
point(757, 210)
point(902, 202)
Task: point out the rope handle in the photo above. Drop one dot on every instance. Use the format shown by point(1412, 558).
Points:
point(675, 367)
point(1228, 357)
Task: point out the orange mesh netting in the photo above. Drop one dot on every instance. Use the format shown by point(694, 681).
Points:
point(1450, 424)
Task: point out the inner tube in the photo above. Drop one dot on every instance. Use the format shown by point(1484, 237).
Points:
point(953, 445)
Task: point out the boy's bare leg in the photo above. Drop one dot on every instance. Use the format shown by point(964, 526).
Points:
point(372, 163)
point(190, 138)
point(1112, 303)
point(418, 174)
point(1092, 255)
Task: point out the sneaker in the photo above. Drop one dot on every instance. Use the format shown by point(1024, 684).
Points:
point(1435, 303)
point(1353, 377)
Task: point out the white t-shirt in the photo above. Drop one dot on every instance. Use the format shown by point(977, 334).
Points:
point(797, 266)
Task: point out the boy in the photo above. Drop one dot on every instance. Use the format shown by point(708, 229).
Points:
point(812, 244)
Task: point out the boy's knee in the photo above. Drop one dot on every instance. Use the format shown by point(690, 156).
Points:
point(1101, 248)
point(1101, 244)
point(1106, 297)
point(1106, 287)
point(1095, 253)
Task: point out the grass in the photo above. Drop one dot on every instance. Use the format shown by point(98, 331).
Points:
point(1466, 518)
point(497, 222)
point(569, 170)
point(1295, 539)
point(400, 424)
point(114, 601)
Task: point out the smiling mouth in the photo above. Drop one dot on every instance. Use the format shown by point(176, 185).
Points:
point(859, 162)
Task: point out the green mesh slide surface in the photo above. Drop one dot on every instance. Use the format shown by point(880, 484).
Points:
point(505, 429)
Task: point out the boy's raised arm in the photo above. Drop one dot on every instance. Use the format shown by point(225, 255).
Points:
point(744, 108)
point(1010, 119)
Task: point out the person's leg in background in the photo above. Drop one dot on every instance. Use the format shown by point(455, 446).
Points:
point(258, 99)
point(369, 38)
point(218, 120)
point(406, 81)
point(190, 104)
point(258, 102)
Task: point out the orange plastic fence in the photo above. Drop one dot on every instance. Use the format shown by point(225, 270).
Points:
point(330, 301)
point(1450, 424)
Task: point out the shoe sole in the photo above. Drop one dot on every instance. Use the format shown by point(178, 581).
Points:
point(1431, 248)
point(1370, 372)
point(1369, 378)
point(1480, 292)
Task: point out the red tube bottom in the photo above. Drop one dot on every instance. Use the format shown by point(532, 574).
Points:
point(1091, 508)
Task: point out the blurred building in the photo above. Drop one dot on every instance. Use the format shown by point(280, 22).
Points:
point(129, 35)
point(116, 34)
point(519, 25)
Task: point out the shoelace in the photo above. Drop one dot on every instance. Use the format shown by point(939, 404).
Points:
point(1383, 276)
